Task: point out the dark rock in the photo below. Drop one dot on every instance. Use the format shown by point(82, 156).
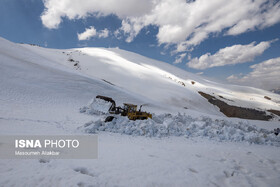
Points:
point(266, 97)
point(276, 112)
point(234, 111)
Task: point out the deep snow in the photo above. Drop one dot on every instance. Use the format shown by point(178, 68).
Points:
point(42, 93)
point(166, 125)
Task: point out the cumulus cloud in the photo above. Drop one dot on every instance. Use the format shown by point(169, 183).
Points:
point(264, 75)
point(77, 9)
point(182, 23)
point(235, 54)
point(103, 33)
point(91, 32)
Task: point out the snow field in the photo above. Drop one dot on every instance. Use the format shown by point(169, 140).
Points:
point(41, 92)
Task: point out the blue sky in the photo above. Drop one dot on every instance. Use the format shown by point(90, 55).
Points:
point(156, 32)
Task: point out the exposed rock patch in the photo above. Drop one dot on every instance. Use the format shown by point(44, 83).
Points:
point(225, 98)
point(276, 112)
point(108, 82)
point(266, 97)
point(175, 80)
point(234, 111)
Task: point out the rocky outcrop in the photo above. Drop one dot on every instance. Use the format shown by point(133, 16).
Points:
point(266, 97)
point(276, 112)
point(235, 111)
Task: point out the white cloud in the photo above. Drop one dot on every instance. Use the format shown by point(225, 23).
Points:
point(103, 33)
point(77, 9)
point(180, 22)
point(180, 58)
point(258, 19)
point(264, 75)
point(235, 54)
point(117, 34)
point(89, 33)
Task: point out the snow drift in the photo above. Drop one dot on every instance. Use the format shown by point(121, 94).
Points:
point(165, 125)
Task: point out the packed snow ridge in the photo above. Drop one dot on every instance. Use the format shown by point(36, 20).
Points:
point(165, 125)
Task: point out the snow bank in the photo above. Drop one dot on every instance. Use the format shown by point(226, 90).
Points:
point(183, 125)
point(96, 106)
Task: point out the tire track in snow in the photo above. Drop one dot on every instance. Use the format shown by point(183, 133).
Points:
point(58, 124)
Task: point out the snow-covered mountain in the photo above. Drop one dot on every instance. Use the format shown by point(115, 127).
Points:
point(128, 77)
point(42, 91)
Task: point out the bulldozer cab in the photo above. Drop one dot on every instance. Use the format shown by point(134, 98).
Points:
point(129, 108)
point(131, 112)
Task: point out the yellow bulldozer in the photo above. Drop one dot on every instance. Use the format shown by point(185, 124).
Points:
point(129, 110)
